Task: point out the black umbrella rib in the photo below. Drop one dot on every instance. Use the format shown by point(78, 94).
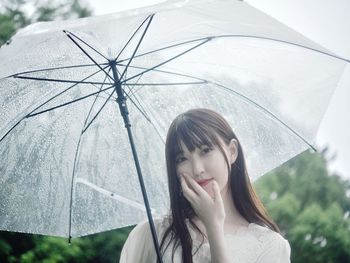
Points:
point(243, 36)
point(99, 111)
point(137, 47)
point(74, 165)
point(71, 33)
point(69, 102)
point(167, 84)
point(203, 81)
point(66, 90)
point(246, 36)
point(57, 95)
point(55, 68)
point(58, 80)
point(87, 54)
point(169, 72)
point(168, 60)
point(142, 111)
point(148, 118)
point(139, 107)
point(266, 111)
point(168, 47)
point(127, 43)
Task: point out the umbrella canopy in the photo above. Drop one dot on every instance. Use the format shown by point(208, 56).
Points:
point(66, 164)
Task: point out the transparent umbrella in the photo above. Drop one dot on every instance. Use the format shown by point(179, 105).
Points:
point(68, 89)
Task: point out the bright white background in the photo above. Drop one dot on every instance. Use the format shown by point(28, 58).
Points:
point(326, 22)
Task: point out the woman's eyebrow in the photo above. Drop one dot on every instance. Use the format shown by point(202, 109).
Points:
point(180, 152)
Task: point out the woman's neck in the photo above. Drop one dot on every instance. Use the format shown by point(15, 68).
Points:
point(233, 217)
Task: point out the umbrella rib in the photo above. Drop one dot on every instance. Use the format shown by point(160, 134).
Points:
point(143, 108)
point(84, 51)
point(266, 111)
point(69, 102)
point(58, 80)
point(55, 68)
point(96, 99)
point(149, 119)
point(167, 84)
point(127, 43)
point(286, 42)
point(57, 95)
point(131, 89)
point(74, 164)
point(168, 60)
point(99, 111)
point(167, 47)
point(168, 72)
point(71, 33)
point(243, 36)
point(137, 106)
point(137, 47)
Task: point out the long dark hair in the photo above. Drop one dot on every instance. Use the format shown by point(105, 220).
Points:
point(195, 128)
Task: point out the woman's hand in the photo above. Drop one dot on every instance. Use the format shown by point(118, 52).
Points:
point(210, 210)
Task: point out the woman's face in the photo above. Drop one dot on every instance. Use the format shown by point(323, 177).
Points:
point(206, 164)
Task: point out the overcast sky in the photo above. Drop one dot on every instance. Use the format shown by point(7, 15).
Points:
point(326, 22)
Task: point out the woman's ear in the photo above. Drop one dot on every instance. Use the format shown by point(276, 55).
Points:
point(233, 150)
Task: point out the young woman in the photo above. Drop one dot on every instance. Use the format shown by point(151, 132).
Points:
point(215, 214)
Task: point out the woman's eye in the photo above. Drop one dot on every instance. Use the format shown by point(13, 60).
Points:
point(206, 149)
point(180, 160)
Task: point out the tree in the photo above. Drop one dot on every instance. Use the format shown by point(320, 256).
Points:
point(14, 13)
point(311, 207)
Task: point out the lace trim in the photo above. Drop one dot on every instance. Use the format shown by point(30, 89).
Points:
point(258, 237)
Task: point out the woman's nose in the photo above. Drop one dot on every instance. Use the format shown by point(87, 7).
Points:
point(197, 168)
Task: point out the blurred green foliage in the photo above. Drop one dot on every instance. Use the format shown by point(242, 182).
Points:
point(15, 14)
point(311, 207)
point(26, 248)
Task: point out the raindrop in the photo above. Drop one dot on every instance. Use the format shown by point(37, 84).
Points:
point(346, 215)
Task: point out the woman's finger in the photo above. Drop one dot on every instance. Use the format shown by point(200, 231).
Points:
point(186, 190)
point(216, 191)
point(196, 187)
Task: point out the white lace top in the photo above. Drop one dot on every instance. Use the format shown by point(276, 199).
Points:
point(249, 244)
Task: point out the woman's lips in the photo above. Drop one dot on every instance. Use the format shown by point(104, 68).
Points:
point(204, 182)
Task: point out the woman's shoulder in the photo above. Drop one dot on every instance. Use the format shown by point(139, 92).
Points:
point(265, 235)
point(161, 222)
point(257, 243)
point(271, 243)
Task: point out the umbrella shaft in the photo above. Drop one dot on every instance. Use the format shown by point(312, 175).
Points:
point(125, 113)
